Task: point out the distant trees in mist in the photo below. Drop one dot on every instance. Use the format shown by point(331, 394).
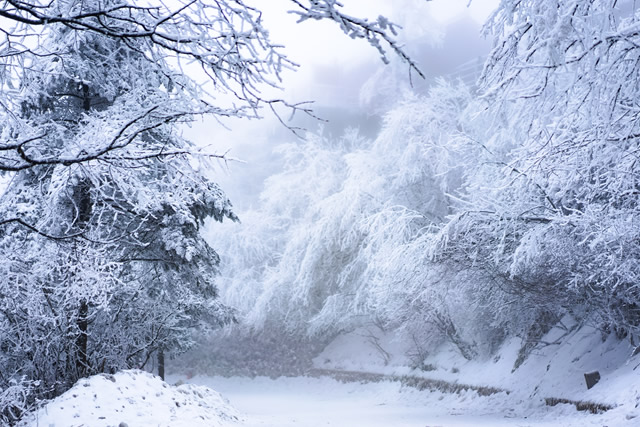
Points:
point(474, 215)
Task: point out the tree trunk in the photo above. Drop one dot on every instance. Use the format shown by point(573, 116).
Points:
point(81, 340)
point(161, 363)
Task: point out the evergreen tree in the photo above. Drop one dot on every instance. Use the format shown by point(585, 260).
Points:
point(106, 266)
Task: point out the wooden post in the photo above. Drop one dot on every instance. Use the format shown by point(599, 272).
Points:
point(82, 338)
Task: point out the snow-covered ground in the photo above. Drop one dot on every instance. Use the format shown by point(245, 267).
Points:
point(139, 399)
point(552, 370)
point(314, 402)
point(135, 398)
point(132, 399)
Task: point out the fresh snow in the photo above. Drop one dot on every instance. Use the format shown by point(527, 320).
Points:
point(140, 399)
point(554, 369)
point(314, 402)
point(134, 398)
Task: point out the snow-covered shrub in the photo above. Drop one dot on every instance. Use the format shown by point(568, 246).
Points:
point(15, 400)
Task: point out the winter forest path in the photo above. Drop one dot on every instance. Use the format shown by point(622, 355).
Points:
point(323, 401)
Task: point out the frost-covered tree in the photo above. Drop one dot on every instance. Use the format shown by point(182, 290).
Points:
point(554, 217)
point(223, 40)
point(473, 218)
point(347, 222)
point(115, 269)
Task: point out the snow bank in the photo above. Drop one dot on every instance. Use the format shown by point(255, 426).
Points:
point(134, 398)
point(554, 369)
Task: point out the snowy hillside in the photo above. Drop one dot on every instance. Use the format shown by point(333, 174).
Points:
point(548, 384)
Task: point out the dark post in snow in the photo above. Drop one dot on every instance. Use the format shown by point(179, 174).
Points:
point(592, 378)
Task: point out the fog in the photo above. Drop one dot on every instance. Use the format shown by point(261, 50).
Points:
point(344, 80)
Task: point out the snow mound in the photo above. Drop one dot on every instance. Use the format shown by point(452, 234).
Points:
point(134, 398)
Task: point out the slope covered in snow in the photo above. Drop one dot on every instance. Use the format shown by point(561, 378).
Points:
point(552, 372)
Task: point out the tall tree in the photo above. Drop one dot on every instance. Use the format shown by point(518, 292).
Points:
point(554, 213)
point(117, 264)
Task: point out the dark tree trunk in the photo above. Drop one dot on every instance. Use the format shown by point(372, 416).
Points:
point(161, 363)
point(82, 339)
point(86, 99)
point(82, 197)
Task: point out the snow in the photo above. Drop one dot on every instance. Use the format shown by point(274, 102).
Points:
point(134, 398)
point(554, 370)
point(306, 401)
point(312, 402)
point(354, 351)
point(137, 398)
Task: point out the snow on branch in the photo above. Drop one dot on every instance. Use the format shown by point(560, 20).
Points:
point(377, 33)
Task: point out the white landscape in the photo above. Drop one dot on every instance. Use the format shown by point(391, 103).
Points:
point(319, 213)
point(138, 398)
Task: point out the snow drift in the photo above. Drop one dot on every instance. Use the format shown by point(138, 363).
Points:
point(134, 398)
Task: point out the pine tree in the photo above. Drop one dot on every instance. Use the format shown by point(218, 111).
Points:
point(111, 268)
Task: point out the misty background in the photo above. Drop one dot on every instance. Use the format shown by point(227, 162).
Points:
point(345, 82)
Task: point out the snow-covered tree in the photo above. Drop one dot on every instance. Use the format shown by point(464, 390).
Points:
point(473, 217)
point(553, 217)
point(349, 219)
point(115, 269)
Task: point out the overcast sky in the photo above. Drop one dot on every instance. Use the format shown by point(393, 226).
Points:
point(333, 70)
point(319, 45)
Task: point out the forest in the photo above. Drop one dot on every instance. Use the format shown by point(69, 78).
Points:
point(477, 213)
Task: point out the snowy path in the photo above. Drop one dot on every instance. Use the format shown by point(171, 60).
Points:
point(311, 402)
